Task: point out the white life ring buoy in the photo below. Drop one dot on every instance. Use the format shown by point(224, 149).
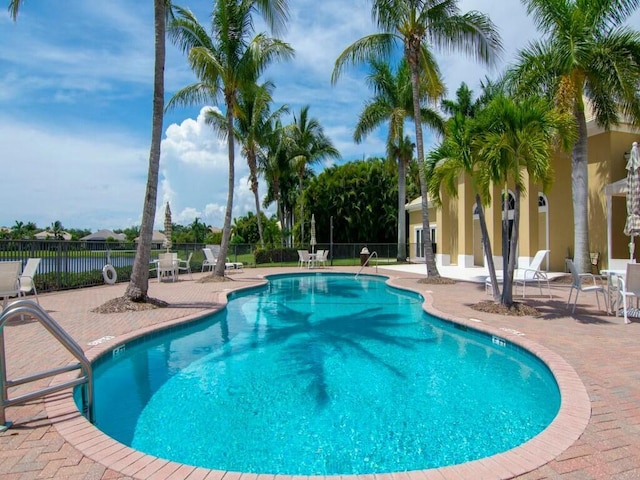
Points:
point(109, 274)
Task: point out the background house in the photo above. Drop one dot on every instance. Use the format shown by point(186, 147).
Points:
point(157, 240)
point(47, 235)
point(103, 235)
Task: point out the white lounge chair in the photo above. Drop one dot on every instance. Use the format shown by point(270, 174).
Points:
point(578, 285)
point(532, 274)
point(211, 260)
point(185, 266)
point(27, 284)
point(9, 280)
point(629, 287)
point(524, 276)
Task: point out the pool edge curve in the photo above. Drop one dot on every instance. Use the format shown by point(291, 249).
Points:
point(570, 422)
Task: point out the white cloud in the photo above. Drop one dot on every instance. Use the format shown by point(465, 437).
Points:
point(80, 178)
point(195, 165)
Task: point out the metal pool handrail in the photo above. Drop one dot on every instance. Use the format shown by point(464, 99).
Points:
point(367, 263)
point(27, 307)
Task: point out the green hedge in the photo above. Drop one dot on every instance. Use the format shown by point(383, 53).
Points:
point(276, 255)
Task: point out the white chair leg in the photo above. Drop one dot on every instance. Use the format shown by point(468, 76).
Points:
point(575, 302)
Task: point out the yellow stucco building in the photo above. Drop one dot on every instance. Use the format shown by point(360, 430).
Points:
point(546, 218)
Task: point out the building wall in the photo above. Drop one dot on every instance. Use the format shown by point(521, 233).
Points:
point(606, 164)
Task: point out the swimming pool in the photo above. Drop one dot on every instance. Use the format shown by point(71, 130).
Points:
point(323, 374)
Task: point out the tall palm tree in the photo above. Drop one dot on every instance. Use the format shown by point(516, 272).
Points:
point(307, 146)
point(586, 52)
point(457, 155)
point(518, 136)
point(226, 63)
point(419, 25)
point(252, 127)
point(139, 283)
point(393, 103)
point(279, 176)
point(272, 169)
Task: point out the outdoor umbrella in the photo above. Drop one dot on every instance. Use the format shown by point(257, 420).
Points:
point(632, 225)
point(167, 227)
point(313, 233)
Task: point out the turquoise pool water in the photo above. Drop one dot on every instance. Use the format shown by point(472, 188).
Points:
point(323, 374)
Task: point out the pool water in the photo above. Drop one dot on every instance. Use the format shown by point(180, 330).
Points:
point(323, 374)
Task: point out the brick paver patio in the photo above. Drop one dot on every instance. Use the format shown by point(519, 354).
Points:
point(598, 436)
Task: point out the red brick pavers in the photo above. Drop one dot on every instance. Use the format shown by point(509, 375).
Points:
point(596, 357)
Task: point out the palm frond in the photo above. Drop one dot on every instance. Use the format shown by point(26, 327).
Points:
point(378, 45)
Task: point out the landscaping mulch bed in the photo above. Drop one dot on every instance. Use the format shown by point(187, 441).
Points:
point(124, 304)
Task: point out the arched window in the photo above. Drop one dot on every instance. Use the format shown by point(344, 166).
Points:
point(543, 204)
point(511, 202)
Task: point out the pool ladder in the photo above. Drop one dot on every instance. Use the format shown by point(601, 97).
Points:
point(21, 308)
point(367, 262)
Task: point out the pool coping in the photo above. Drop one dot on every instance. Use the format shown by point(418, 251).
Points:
point(570, 422)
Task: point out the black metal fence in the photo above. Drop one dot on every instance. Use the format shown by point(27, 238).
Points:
point(74, 264)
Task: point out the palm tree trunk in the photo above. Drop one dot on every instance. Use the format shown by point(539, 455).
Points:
point(139, 283)
point(226, 230)
point(256, 195)
point(412, 57)
point(301, 213)
point(402, 215)
point(486, 243)
point(507, 289)
point(580, 195)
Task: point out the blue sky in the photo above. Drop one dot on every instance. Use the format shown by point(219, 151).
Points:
point(76, 81)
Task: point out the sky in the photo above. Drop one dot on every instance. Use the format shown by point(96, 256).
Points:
point(76, 80)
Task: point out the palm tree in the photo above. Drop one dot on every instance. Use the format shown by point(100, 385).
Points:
point(226, 63)
point(279, 176)
point(198, 229)
point(393, 102)
point(518, 136)
point(417, 26)
point(587, 52)
point(18, 230)
point(57, 229)
point(307, 145)
point(139, 283)
point(252, 127)
point(456, 155)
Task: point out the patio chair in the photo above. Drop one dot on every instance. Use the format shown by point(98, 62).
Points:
point(629, 287)
point(304, 257)
point(321, 257)
point(167, 266)
point(578, 285)
point(9, 280)
point(532, 274)
point(185, 266)
point(27, 284)
point(524, 276)
point(209, 259)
